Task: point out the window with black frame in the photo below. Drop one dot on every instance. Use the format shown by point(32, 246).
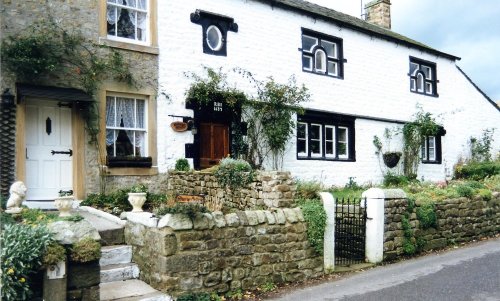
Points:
point(423, 79)
point(431, 150)
point(325, 136)
point(322, 54)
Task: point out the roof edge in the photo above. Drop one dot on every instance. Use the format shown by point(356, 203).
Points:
point(478, 89)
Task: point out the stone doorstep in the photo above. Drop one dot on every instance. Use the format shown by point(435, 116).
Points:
point(353, 267)
point(130, 290)
point(115, 255)
point(118, 272)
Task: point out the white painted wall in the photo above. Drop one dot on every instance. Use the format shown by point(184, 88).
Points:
point(375, 84)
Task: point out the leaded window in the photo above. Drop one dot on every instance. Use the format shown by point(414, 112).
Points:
point(423, 78)
point(321, 54)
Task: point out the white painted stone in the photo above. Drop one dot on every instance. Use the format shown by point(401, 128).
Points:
point(144, 218)
point(329, 238)
point(176, 222)
point(115, 255)
point(119, 272)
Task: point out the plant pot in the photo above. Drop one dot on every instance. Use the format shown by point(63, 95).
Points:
point(137, 199)
point(64, 204)
point(391, 159)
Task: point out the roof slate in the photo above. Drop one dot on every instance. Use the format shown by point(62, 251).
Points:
point(345, 20)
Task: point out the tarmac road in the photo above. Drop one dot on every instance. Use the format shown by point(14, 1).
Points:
point(469, 273)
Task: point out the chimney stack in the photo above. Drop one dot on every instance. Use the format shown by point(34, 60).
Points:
point(378, 12)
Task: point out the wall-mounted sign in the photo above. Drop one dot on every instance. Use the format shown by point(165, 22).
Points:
point(179, 126)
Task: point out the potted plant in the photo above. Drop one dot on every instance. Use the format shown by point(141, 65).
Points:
point(64, 203)
point(137, 197)
point(391, 159)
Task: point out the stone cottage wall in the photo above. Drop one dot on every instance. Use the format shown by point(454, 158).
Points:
point(217, 252)
point(271, 189)
point(458, 220)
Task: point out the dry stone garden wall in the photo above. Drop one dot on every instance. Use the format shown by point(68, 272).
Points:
point(217, 252)
point(458, 220)
point(271, 189)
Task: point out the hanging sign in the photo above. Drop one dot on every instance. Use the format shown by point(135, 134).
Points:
point(179, 126)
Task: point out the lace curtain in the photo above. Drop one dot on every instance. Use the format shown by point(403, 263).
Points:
point(125, 113)
point(138, 19)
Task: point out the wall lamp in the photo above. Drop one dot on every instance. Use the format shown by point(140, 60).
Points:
point(7, 98)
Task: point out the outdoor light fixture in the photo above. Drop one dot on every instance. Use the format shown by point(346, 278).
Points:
point(192, 127)
point(7, 98)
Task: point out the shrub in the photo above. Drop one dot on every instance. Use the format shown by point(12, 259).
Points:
point(234, 173)
point(315, 216)
point(194, 297)
point(426, 214)
point(485, 194)
point(85, 250)
point(189, 209)
point(21, 255)
point(477, 170)
point(182, 165)
point(465, 191)
point(391, 179)
point(308, 189)
point(53, 254)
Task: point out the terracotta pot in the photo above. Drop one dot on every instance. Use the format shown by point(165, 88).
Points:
point(391, 159)
point(64, 204)
point(137, 199)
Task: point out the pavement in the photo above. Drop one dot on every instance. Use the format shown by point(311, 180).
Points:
point(467, 273)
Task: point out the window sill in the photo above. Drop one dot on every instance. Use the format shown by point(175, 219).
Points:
point(129, 46)
point(326, 159)
point(431, 162)
point(425, 94)
point(131, 171)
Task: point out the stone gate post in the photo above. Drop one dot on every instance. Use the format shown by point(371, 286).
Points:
point(329, 238)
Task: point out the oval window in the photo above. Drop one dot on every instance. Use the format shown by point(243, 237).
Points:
point(214, 38)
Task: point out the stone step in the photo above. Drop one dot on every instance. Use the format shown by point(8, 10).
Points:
point(119, 272)
point(110, 227)
point(115, 255)
point(130, 290)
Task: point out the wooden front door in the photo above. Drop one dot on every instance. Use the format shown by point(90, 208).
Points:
point(214, 143)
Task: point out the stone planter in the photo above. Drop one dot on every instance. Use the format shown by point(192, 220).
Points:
point(137, 199)
point(64, 204)
point(391, 159)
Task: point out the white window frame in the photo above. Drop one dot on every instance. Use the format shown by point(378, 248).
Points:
point(220, 41)
point(320, 139)
point(116, 128)
point(333, 141)
point(346, 156)
point(115, 37)
point(306, 139)
point(324, 61)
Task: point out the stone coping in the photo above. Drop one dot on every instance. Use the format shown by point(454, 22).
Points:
point(217, 219)
point(102, 214)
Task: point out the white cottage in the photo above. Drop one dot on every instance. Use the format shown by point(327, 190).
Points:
point(363, 78)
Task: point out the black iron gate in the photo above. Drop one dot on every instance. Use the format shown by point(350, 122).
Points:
point(350, 231)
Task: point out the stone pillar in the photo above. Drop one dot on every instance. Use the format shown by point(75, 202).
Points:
point(378, 12)
point(375, 212)
point(54, 282)
point(329, 239)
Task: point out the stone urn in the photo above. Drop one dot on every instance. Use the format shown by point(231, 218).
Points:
point(64, 204)
point(137, 199)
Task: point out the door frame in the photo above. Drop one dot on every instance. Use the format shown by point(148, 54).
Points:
point(78, 145)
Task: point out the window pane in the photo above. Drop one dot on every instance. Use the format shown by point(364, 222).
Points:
point(428, 88)
point(125, 112)
point(308, 43)
point(307, 63)
point(110, 142)
point(328, 133)
point(329, 148)
point(330, 48)
point(427, 72)
point(320, 61)
point(301, 130)
point(420, 82)
point(315, 131)
point(315, 147)
point(412, 84)
point(214, 38)
point(140, 144)
point(126, 28)
point(342, 142)
point(301, 147)
point(342, 135)
point(140, 113)
point(413, 68)
point(332, 68)
point(424, 150)
point(110, 111)
point(123, 143)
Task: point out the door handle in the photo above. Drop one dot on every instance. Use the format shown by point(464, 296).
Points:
point(69, 152)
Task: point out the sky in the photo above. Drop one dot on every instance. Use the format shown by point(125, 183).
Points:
point(469, 29)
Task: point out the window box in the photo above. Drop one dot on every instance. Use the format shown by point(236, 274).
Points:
point(127, 161)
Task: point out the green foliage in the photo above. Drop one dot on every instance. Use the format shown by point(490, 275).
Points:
point(268, 287)
point(315, 216)
point(378, 144)
point(426, 214)
point(37, 216)
point(465, 191)
point(391, 179)
point(413, 134)
point(194, 297)
point(477, 170)
point(189, 209)
point(352, 184)
point(492, 182)
point(233, 173)
point(485, 194)
point(6, 219)
point(235, 295)
point(182, 164)
point(308, 189)
point(138, 188)
point(21, 255)
point(480, 148)
point(85, 250)
point(3, 202)
point(54, 253)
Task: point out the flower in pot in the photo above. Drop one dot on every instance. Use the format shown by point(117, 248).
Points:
point(64, 203)
point(137, 197)
point(391, 159)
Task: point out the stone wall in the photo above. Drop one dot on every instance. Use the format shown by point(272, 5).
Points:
point(271, 189)
point(217, 252)
point(458, 220)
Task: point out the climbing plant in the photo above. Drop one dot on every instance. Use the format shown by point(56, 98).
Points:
point(413, 134)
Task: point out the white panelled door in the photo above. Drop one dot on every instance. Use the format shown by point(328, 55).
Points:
point(49, 160)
